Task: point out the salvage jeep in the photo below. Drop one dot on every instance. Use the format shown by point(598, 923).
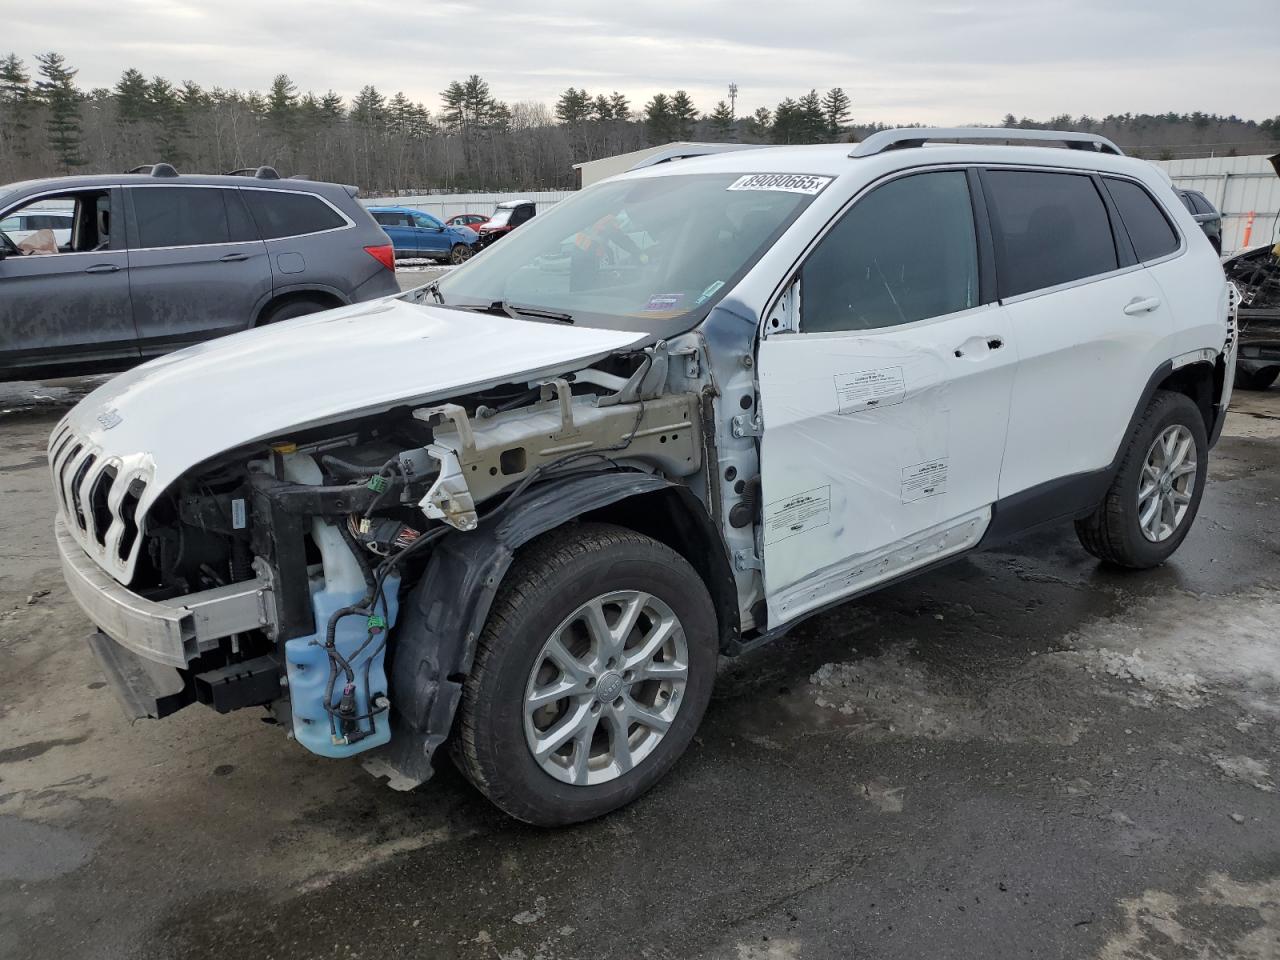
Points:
point(520, 512)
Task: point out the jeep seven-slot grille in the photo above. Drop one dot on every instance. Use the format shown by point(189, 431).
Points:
point(98, 511)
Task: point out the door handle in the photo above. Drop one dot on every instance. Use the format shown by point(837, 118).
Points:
point(102, 268)
point(234, 258)
point(1141, 305)
point(974, 346)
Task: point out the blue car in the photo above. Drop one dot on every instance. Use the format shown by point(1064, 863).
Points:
point(417, 234)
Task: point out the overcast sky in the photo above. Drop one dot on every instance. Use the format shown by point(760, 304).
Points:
point(946, 61)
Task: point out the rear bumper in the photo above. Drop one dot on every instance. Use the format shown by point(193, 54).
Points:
point(170, 632)
point(381, 284)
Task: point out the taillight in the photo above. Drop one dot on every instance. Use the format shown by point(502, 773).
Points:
point(385, 254)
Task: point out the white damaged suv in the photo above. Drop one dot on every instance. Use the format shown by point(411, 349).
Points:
point(522, 511)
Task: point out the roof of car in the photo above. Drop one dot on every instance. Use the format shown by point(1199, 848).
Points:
point(834, 160)
point(142, 179)
point(381, 208)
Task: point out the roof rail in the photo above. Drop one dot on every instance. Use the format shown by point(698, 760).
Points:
point(691, 150)
point(155, 170)
point(261, 173)
point(919, 136)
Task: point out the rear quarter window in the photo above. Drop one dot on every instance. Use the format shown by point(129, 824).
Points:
point(280, 213)
point(1149, 230)
point(1048, 228)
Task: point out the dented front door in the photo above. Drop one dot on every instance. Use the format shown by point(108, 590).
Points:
point(882, 444)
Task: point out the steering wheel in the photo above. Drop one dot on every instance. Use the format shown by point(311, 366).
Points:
point(10, 248)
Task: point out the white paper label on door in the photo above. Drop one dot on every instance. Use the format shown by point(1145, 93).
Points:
point(797, 514)
point(869, 389)
point(920, 480)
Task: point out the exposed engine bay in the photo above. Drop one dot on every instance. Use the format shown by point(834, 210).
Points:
point(1256, 274)
point(334, 520)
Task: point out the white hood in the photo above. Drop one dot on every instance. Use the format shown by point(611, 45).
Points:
point(166, 416)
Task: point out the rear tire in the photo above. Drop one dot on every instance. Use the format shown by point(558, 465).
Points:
point(542, 669)
point(1153, 499)
point(1256, 379)
point(290, 309)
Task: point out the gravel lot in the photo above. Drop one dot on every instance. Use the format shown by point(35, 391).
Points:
point(1022, 755)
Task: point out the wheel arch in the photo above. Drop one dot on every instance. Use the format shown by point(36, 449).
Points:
point(1201, 382)
point(435, 640)
point(327, 296)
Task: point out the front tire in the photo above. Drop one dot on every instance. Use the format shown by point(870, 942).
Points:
point(591, 675)
point(1156, 493)
point(1256, 379)
point(460, 254)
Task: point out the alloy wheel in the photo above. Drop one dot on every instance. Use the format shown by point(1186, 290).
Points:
point(1166, 483)
point(605, 687)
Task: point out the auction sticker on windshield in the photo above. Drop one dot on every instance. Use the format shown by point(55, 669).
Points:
point(783, 182)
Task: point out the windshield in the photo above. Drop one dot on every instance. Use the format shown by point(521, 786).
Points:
point(630, 253)
point(501, 215)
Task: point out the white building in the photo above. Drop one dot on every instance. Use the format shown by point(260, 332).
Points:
point(1238, 187)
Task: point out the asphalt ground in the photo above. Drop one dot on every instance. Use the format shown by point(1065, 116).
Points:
point(1024, 754)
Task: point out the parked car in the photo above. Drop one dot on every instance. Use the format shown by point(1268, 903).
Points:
point(417, 234)
point(156, 261)
point(20, 226)
point(1256, 276)
point(506, 217)
point(1205, 214)
point(521, 511)
point(471, 221)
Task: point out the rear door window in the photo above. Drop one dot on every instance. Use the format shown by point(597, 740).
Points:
point(1148, 228)
point(876, 268)
point(281, 213)
point(179, 216)
point(1048, 228)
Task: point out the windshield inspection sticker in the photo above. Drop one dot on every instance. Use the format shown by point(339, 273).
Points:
point(784, 182)
point(920, 480)
point(796, 514)
point(869, 389)
point(661, 302)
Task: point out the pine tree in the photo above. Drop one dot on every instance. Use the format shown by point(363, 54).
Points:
point(131, 93)
point(658, 119)
point(835, 110)
point(369, 108)
point(15, 83)
point(786, 122)
point(721, 121)
point(760, 124)
point(601, 109)
point(164, 108)
point(683, 114)
point(620, 106)
point(58, 90)
point(573, 107)
point(813, 123)
point(469, 105)
point(400, 114)
point(332, 108)
point(16, 101)
point(282, 102)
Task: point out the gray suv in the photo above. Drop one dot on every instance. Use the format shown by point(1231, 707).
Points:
point(154, 261)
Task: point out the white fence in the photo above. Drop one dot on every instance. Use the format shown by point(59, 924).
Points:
point(446, 205)
point(1239, 187)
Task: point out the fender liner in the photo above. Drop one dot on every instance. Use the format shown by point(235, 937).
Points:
point(441, 619)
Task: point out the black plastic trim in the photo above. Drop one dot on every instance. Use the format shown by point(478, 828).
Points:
point(434, 644)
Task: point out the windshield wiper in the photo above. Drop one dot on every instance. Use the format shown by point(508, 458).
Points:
point(433, 288)
point(517, 311)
